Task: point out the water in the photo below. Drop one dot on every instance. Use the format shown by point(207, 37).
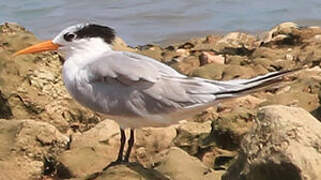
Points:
point(151, 21)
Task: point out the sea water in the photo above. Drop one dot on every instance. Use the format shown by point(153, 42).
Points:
point(153, 21)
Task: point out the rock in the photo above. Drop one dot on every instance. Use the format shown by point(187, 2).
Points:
point(152, 51)
point(231, 124)
point(282, 34)
point(190, 136)
point(236, 43)
point(285, 145)
point(187, 65)
point(187, 45)
point(120, 45)
point(301, 93)
point(218, 159)
point(130, 172)
point(150, 142)
point(178, 165)
point(33, 85)
point(211, 39)
point(93, 150)
point(182, 52)
point(209, 71)
point(25, 146)
point(210, 57)
point(237, 60)
point(5, 110)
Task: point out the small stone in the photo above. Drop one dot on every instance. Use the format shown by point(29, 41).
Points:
point(182, 52)
point(210, 57)
point(289, 57)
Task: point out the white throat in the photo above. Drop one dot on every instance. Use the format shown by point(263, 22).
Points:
point(78, 55)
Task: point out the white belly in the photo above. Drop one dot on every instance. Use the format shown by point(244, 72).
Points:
point(124, 104)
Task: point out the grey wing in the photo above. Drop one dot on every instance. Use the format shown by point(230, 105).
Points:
point(126, 70)
point(152, 78)
point(146, 86)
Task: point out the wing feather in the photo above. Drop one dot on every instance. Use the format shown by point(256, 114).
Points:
point(126, 69)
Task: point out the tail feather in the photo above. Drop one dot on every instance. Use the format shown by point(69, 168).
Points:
point(247, 86)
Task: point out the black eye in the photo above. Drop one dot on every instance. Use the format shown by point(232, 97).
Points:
point(69, 37)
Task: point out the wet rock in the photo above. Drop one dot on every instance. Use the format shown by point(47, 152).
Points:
point(178, 165)
point(284, 145)
point(25, 146)
point(210, 57)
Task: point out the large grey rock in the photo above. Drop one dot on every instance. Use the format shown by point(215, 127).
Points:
point(286, 144)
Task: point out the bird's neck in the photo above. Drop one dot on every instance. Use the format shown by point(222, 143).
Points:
point(78, 56)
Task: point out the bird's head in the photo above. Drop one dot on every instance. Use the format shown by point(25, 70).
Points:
point(74, 39)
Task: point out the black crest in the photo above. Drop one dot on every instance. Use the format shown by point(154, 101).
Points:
point(94, 30)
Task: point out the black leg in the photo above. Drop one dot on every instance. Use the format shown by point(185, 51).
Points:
point(121, 150)
point(130, 145)
point(122, 145)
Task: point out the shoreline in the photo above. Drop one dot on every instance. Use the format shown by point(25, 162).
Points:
point(177, 38)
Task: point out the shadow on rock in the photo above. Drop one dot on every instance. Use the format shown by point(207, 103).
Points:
point(130, 171)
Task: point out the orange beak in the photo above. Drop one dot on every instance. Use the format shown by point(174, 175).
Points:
point(43, 46)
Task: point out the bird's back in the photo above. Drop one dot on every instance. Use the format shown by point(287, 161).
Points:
point(139, 91)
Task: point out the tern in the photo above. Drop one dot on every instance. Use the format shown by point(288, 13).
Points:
point(134, 90)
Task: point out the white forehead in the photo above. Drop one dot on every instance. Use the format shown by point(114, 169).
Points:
point(69, 29)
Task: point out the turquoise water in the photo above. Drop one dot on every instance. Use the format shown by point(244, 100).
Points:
point(148, 21)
